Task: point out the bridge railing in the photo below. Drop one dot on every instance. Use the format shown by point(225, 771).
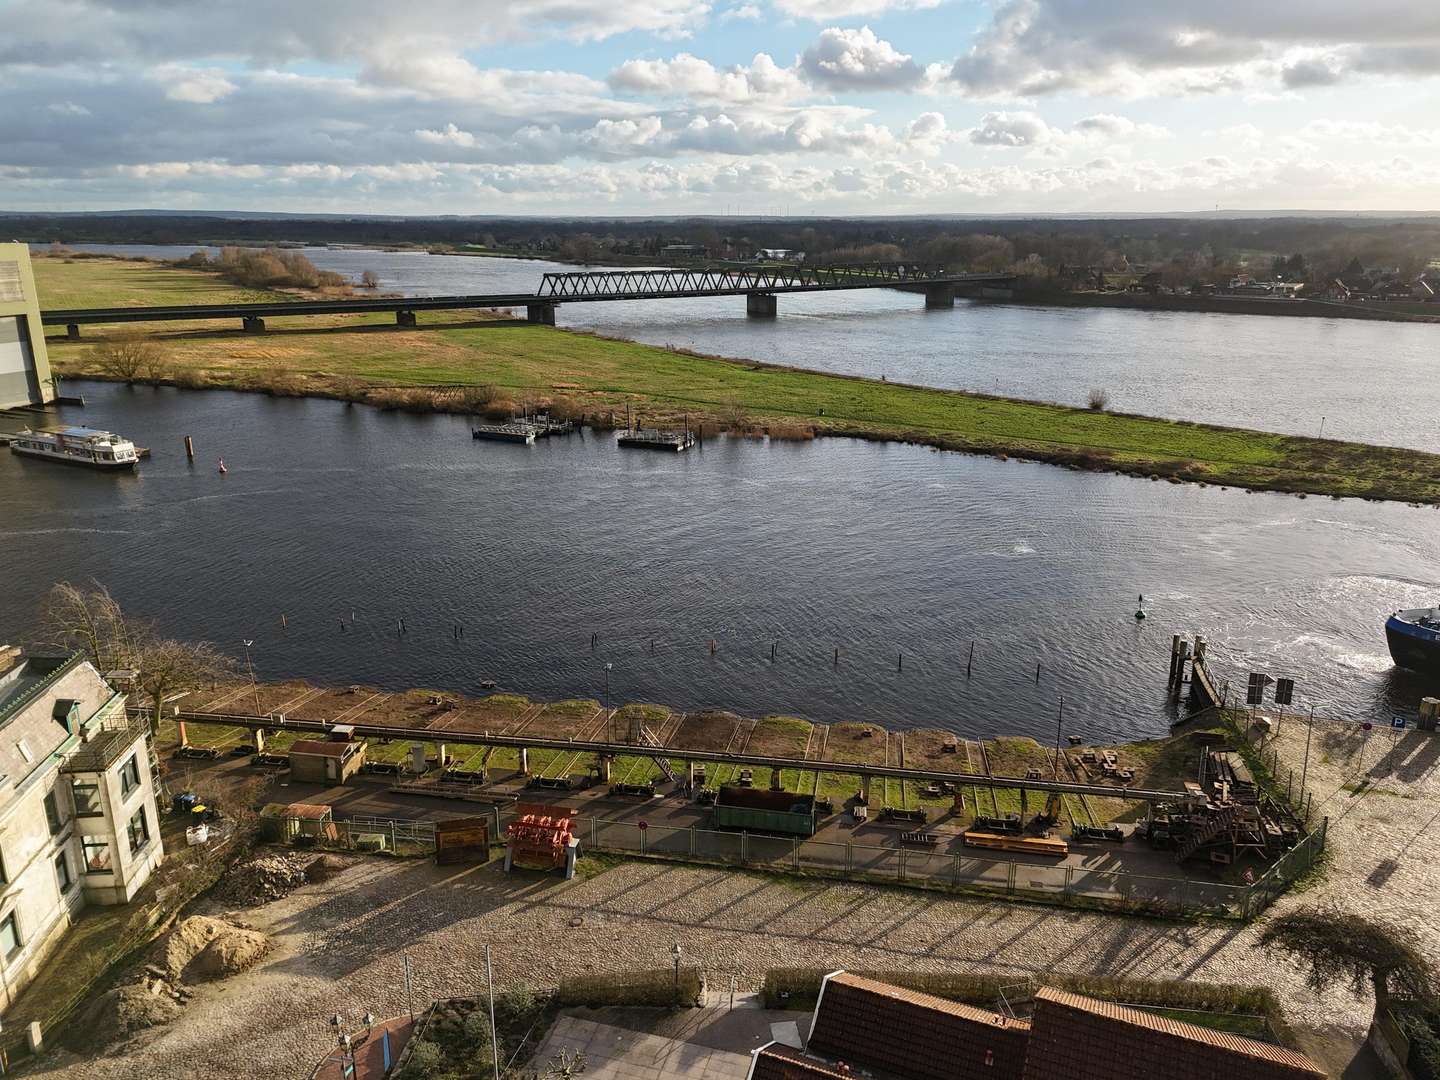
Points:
point(729, 279)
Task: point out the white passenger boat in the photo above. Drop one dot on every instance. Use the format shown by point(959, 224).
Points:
point(77, 446)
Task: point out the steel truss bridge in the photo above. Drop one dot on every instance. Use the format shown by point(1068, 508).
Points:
point(758, 284)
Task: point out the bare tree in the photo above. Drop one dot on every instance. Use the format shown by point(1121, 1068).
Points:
point(90, 621)
point(127, 357)
point(93, 622)
point(1340, 949)
point(168, 667)
point(369, 280)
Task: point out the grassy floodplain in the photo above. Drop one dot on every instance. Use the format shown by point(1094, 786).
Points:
point(356, 357)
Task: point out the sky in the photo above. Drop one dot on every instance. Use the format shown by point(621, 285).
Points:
point(743, 107)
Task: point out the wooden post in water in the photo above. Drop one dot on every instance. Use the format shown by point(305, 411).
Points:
point(837, 655)
point(712, 646)
point(970, 663)
point(284, 625)
point(189, 448)
point(1037, 672)
point(773, 646)
point(899, 661)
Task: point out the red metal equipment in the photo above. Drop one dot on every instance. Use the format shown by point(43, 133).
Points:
point(540, 837)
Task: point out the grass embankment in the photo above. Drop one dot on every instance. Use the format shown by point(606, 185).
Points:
point(598, 377)
point(103, 282)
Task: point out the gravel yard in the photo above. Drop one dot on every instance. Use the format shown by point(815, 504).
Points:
point(338, 943)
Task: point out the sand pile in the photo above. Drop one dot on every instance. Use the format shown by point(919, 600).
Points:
point(118, 1014)
point(201, 948)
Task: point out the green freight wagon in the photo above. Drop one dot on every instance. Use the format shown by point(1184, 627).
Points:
point(759, 811)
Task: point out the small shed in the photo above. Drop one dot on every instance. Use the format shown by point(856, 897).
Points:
point(286, 821)
point(317, 761)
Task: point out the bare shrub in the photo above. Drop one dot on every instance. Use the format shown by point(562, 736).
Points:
point(193, 379)
point(564, 408)
point(128, 357)
point(1099, 399)
point(791, 432)
point(284, 384)
point(477, 398)
point(499, 408)
point(369, 280)
point(348, 388)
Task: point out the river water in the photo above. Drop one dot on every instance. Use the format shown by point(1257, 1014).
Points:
point(899, 557)
point(1344, 378)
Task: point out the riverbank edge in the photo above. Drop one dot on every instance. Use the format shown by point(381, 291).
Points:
point(1304, 307)
point(441, 398)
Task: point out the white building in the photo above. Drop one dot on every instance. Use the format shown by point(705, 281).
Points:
point(78, 819)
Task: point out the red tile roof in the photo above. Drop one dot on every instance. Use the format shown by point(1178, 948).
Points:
point(776, 1062)
point(1079, 1038)
point(873, 1025)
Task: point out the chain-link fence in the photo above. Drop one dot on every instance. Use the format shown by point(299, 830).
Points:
point(868, 862)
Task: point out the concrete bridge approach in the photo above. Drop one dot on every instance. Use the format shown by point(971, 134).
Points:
point(760, 285)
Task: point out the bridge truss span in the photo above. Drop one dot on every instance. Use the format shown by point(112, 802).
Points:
point(730, 280)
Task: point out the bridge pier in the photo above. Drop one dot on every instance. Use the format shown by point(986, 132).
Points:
point(72, 331)
point(759, 305)
point(604, 766)
point(404, 318)
point(540, 314)
point(253, 324)
point(941, 295)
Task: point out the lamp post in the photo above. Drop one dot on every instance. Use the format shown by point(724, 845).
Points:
point(251, 669)
point(675, 952)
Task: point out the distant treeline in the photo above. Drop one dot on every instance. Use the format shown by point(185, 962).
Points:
point(1185, 249)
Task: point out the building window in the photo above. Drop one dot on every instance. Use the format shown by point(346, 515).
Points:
point(97, 855)
point(52, 811)
point(62, 873)
point(9, 936)
point(129, 775)
point(87, 799)
point(138, 830)
point(25, 751)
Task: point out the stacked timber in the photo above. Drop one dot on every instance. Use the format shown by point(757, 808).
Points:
point(1229, 769)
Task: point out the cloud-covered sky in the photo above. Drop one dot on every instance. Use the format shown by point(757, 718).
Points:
point(719, 106)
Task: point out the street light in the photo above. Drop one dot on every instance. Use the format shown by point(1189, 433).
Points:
point(251, 668)
point(675, 952)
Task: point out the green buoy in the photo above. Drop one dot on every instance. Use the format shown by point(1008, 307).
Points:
point(1140, 611)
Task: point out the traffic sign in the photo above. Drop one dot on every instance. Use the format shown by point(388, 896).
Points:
point(1284, 691)
point(1366, 726)
point(1398, 723)
point(1255, 689)
point(644, 825)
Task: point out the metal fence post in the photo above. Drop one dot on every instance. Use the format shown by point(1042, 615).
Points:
point(393, 845)
point(849, 857)
point(595, 833)
point(955, 870)
point(900, 868)
point(1010, 878)
point(692, 841)
point(644, 844)
point(1069, 879)
point(744, 838)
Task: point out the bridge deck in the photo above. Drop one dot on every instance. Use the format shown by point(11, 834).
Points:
point(555, 289)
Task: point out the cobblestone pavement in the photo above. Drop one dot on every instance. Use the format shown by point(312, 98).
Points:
point(339, 943)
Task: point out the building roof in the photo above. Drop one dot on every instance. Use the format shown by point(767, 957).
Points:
point(322, 747)
point(1079, 1038)
point(776, 1062)
point(31, 734)
point(866, 1023)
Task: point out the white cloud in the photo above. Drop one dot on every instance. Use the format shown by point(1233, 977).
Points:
point(745, 13)
point(691, 77)
point(1035, 47)
point(858, 60)
point(451, 135)
point(848, 9)
point(1011, 129)
point(192, 85)
point(67, 108)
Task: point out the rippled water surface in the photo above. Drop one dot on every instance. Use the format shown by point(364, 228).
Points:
point(880, 551)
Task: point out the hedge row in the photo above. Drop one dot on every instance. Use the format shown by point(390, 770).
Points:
point(798, 988)
point(655, 987)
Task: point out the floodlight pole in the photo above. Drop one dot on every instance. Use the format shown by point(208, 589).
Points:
point(494, 1037)
point(1309, 733)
